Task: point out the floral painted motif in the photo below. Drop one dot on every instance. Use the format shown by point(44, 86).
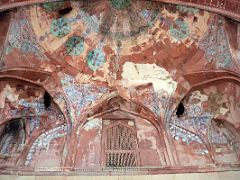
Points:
point(184, 135)
point(91, 22)
point(193, 125)
point(43, 141)
point(52, 6)
point(75, 45)
point(215, 44)
point(199, 119)
point(218, 135)
point(80, 95)
point(96, 59)
point(179, 30)
point(120, 4)
point(60, 27)
point(150, 16)
point(21, 37)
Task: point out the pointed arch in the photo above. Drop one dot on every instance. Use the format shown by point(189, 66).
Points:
point(118, 108)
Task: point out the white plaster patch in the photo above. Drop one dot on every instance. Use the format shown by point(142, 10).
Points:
point(8, 93)
point(93, 124)
point(238, 55)
point(137, 74)
point(223, 111)
point(201, 97)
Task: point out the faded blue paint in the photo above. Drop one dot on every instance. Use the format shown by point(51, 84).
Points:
point(53, 6)
point(21, 37)
point(79, 96)
point(60, 27)
point(91, 22)
point(179, 30)
point(179, 133)
point(150, 16)
point(185, 9)
point(44, 140)
point(216, 46)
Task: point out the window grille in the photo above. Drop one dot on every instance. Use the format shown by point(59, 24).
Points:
point(120, 146)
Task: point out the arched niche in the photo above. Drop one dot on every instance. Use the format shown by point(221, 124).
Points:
point(208, 130)
point(224, 140)
point(103, 139)
point(29, 130)
point(12, 140)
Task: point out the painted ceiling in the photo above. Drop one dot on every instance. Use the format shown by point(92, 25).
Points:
point(119, 68)
point(227, 7)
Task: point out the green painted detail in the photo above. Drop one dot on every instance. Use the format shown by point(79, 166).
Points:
point(53, 6)
point(75, 45)
point(185, 9)
point(179, 30)
point(118, 36)
point(60, 27)
point(120, 4)
point(96, 59)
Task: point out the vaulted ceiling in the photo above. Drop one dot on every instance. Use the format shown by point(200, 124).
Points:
point(229, 8)
point(75, 72)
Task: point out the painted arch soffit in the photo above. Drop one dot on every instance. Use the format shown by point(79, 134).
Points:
point(230, 8)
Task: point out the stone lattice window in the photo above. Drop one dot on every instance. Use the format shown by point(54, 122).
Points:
point(120, 145)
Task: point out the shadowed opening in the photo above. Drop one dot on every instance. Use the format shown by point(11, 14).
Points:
point(12, 134)
point(180, 110)
point(47, 99)
point(65, 11)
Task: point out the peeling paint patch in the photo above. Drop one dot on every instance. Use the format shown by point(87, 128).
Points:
point(93, 124)
point(179, 30)
point(199, 96)
point(138, 74)
point(8, 93)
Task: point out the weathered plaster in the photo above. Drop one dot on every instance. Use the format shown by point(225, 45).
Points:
point(148, 73)
point(78, 76)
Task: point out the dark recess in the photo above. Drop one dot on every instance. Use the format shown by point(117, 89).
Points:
point(47, 100)
point(65, 11)
point(180, 110)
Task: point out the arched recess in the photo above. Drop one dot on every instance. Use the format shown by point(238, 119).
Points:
point(89, 150)
point(210, 107)
point(35, 77)
point(197, 79)
point(193, 80)
point(224, 137)
point(23, 109)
